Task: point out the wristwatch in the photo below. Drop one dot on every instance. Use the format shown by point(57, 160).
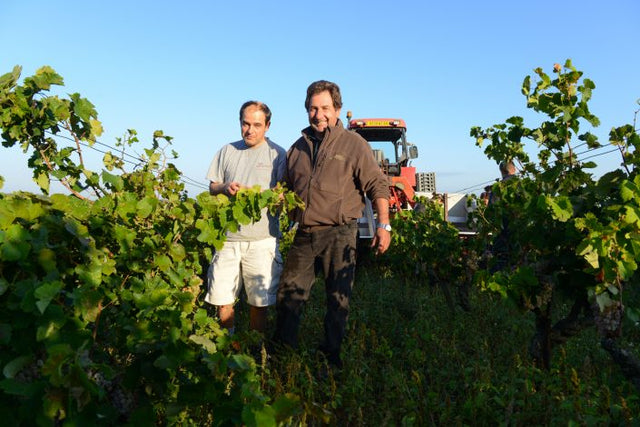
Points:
point(386, 227)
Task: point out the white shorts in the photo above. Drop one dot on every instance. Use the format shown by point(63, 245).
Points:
point(256, 265)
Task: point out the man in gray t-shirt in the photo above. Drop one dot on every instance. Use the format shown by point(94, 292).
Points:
point(250, 257)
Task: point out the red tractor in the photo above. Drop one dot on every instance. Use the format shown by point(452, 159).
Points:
point(388, 140)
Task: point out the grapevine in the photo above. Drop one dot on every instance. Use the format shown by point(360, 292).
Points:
point(571, 237)
point(102, 319)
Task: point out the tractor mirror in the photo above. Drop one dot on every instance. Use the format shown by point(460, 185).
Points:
point(413, 152)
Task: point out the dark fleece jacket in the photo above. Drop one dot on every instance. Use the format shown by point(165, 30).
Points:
point(345, 171)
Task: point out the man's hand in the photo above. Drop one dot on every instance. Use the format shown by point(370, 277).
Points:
point(382, 238)
point(231, 188)
point(226, 188)
point(381, 241)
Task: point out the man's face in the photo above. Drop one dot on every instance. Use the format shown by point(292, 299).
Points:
point(322, 113)
point(253, 125)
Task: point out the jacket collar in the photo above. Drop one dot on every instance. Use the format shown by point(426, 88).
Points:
point(329, 134)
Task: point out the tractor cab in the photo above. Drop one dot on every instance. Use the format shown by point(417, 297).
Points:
point(388, 140)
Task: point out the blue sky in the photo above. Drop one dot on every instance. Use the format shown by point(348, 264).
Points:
point(186, 67)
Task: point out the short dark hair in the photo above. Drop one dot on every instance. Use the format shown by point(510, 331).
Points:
point(320, 86)
point(261, 106)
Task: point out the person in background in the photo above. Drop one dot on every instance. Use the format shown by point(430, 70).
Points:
point(507, 169)
point(250, 257)
point(485, 196)
point(332, 170)
point(501, 246)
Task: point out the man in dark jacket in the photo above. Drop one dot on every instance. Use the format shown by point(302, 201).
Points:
point(332, 170)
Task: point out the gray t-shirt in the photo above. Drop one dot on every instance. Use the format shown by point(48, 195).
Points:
point(263, 165)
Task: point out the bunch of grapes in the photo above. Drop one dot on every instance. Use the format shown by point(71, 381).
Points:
point(609, 320)
point(122, 400)
point(98, 378)
point(30, 373)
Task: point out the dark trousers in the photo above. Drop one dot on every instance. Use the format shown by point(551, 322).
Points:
point(332, 251)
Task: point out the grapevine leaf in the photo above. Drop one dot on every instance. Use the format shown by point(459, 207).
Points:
point(633, 314)
point(163, 262)
point(240, 215)
point(635, 245)
point(45, 293)
point(108, 266)
point(240, 361)
point(82, 107)
point(17, 233)
point(495, 285)
point(96, 127)
point(612, 289)
point(9, 80)
point(14, 251)
point(589, 254)
point(78, 230)
point(6, 217)
point(205, 342)
point(177, 252)
point(124, 236)
point(127, 203)
point(146, 206)
point(45, 77)
point(88, 303)
point(526, 86)
point(626, 267)
point(209, 234)
point(43, 182)
point(16, 365)
point(47, 259)
point(561, 208)
point(632, 215)
point(61, 202)
point(79, 208)
point(627, 190)
point(201, 317)
point(287, 405)
point(113, 180)
point(233, 227)
point(264, 416)
point(90, 274)
point(26, 209)
point(603, 300)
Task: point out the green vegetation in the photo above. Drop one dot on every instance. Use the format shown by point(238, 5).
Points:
point(102, 320)
point(410, 361)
